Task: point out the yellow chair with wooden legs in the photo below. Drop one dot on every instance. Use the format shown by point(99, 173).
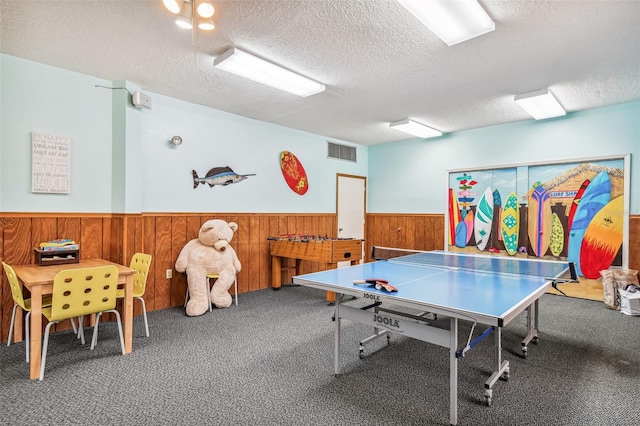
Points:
point(80, 292)
point(25, 304)
point(141, 263)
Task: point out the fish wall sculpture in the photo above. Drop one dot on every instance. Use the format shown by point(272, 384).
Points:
point(219, 176)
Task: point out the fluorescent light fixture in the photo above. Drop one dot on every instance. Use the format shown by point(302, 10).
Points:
point(454, 21)
point(416, 129)
point(246, 65)
point(540, 104)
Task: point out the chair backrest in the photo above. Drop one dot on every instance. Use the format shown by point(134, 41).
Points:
point(141, 263)
point(16, 287)
point(85, 291)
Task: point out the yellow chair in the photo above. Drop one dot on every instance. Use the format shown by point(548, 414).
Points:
point(80, 292)
point(141, 263)
point(25, 304)
point(209, 278)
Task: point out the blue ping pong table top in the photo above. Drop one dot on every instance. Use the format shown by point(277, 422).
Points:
point(457, 287)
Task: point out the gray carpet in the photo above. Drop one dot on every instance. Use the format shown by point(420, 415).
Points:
point(269, 361)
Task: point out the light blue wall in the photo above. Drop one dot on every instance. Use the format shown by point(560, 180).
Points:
point(147, 174)
point(38, 97)
point(212, 138)
point(411, 176)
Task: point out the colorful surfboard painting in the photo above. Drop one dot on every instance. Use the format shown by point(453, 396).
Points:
point(574, 206)
point(594, 198)
point(576, 212)
point(602, 239)
point(509, 224)
point(454, 217)
point(461, 235)
point(497, 203)
point(483, 219)
point(557, 236)
point(468, 222)
point(539, 216)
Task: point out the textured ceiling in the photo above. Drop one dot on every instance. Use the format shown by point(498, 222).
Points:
point(379, 63)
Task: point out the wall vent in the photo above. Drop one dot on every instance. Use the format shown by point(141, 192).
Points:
point(341, 152)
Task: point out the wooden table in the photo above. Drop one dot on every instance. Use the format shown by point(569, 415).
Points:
point(330, 251)
point(39, 281)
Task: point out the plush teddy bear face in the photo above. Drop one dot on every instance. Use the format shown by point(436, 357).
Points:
point(217, 233)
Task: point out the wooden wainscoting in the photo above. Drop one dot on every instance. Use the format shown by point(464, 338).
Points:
point(409, 231)
point(426, 232)
point(117, 237)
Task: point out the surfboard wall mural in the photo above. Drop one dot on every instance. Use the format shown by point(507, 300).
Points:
point(566, 211)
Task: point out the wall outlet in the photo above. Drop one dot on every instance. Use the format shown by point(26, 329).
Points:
point(169, 273)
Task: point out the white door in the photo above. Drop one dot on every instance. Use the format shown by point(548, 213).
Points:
point(350, 208)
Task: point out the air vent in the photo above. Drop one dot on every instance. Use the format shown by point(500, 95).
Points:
point(341, 152)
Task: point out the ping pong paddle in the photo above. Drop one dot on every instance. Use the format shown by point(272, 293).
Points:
point(379, 283)
point(370, 281)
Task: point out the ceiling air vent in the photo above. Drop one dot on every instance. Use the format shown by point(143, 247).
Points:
point(341, 152)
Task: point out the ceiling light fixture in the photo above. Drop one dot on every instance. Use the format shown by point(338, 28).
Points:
point(191, 11)
point(414, 128)
point(540, 104)
point(246, 65)
point(454, 21)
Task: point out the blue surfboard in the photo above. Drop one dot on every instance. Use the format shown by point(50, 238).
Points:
point(461, 235)
point(595, 197)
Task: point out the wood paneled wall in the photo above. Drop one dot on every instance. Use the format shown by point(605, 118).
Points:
point(117, 237)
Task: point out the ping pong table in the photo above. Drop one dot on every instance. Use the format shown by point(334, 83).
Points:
point(483, 289)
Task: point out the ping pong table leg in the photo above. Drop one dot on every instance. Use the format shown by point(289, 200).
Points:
point(336, 355)
point(453, 371)
point(532, 327)
point(502, 367)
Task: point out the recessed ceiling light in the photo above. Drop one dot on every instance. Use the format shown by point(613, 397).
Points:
point(246, 65)
point(540, 104)
point(414, 128)
point(454, 21)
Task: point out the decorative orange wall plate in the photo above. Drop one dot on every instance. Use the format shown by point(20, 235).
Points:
point(294, 173)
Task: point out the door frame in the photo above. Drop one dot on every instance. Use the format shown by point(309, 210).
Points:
point(364, 210)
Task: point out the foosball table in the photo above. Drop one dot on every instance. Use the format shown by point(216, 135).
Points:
point(327, 250)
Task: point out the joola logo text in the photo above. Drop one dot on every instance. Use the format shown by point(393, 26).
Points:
point(371, 296)
point(389, 322)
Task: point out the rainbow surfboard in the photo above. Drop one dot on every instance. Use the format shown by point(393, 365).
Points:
point(468, 222)
point(454, 216)
point(594, 198)
point(602, 239)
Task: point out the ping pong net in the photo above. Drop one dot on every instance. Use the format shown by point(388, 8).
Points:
point(558, 272)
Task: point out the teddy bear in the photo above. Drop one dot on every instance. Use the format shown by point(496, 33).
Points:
point(210, 253)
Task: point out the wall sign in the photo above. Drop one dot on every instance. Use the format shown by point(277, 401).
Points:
point(50, 163)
